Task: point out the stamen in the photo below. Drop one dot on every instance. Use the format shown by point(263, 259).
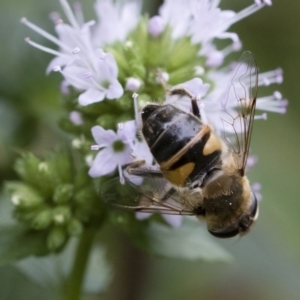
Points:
point(76, 50)
point(267, 78)
point(246, 12)
point(233, 47)
point(273, 103)
point(45, 34)
point(263, 116)
point(268, 2)
point(95, 147)
point(122, 180)
point(57, 69)
point(59, 21)
point(54, 17)
point(137, 116)
point(277, 95)
point(43, 48)
point(69, 13)
point(78, 13)
point(78, 80)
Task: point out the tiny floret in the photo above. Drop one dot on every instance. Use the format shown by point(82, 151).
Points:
point(156, 26)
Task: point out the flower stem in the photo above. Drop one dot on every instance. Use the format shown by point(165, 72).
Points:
point(76, 277)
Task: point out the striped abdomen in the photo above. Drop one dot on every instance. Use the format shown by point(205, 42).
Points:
point(184, 147)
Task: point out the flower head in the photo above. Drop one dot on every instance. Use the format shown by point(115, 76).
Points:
point(123, 52)
point(85, 67)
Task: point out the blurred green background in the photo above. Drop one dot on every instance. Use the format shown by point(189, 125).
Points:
point(267, 261)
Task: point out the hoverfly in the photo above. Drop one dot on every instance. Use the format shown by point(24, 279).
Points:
point(199, 172)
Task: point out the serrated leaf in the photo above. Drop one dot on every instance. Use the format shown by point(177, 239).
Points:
point(190, 241)
point(17, 243)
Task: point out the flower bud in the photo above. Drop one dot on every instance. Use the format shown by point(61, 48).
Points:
point(23, 195)
point(63, 193)
point(43, 219)
point(156, 26)
point(56, 238)
point(61, 214)
point(74, 227)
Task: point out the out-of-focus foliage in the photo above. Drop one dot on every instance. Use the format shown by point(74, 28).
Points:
point(267, 261)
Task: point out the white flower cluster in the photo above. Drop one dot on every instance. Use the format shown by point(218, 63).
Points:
point(85, 66)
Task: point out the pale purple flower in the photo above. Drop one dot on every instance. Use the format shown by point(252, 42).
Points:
point(116, 20)
point(141, 151)
point(214, 108)
point(195, 86)
point(115, 150)
point(204, 22)
point(99, 82)
point(84, 66)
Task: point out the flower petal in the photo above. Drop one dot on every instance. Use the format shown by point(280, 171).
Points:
point(142, 216)
point(115, 90)
point(91, 96)
point(103, 164)
point(127, 132)
point(103, 137)
point(195, 86)
point(173, 220)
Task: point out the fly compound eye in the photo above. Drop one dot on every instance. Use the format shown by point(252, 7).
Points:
point(224, 234)
point(255, 208)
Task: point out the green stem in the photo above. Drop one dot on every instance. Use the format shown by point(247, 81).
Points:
point(76, 277)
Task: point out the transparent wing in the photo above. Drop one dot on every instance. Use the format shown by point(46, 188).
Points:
point(239, 105)
point(150, 194)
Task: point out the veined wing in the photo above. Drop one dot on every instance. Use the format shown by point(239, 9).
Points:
point(239, 106)
point(149, 194)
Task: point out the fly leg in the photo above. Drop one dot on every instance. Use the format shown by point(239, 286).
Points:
point(184, 92)
point(138, 168)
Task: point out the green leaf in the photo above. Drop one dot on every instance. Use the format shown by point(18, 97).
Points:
point(50, 272)
point(17, 242)
point(190, 241)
